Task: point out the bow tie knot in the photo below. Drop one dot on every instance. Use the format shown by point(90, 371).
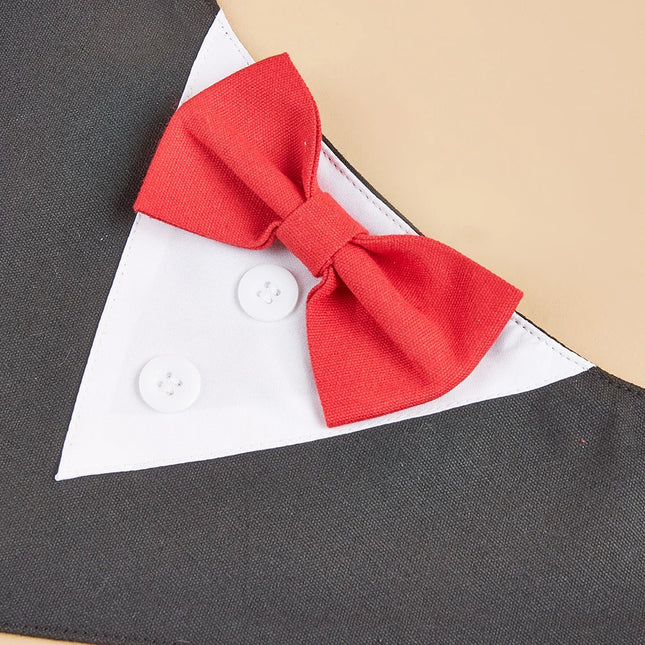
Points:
point(316, 230)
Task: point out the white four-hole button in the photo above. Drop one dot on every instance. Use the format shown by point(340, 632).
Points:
point(169, 383)
point(268, 292)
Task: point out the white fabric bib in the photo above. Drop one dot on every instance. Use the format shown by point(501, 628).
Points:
point(176, 294)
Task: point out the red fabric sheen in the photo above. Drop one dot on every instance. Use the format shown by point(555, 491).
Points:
point(396, 320)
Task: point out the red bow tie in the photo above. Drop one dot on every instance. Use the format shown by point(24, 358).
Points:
point(396, 320)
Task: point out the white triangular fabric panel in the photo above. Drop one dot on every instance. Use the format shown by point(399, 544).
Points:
point(175, 293)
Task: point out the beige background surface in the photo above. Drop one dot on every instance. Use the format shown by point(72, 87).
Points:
point(514, 132)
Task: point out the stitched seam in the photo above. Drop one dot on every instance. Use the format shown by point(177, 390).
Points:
point(363, 191)
point(243, 55)
point(541, 338)
point(611, 379)
point(57, 632)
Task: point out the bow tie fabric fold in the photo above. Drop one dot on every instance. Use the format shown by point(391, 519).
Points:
point(396, 320)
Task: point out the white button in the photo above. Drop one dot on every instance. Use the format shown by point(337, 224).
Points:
point(268, 292)
point(169, 383)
